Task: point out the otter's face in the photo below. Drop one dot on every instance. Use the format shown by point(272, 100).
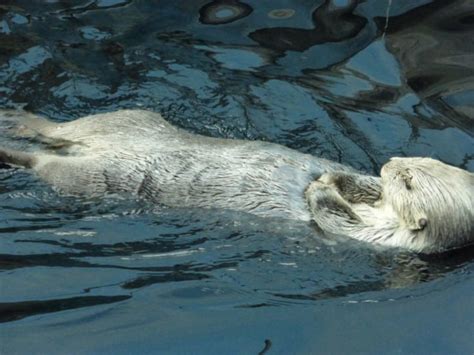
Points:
point(433, 200)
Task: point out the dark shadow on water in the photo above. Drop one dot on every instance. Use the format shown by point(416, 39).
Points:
point(18, 310)
point(408, 270)
point(175, 276)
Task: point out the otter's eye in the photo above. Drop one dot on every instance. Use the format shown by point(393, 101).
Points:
point(422, 223)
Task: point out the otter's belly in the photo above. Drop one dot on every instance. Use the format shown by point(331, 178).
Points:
point(261, 184)
point(265, 180)
point(169, 166)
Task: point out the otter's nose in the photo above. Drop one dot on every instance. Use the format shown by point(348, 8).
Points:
point(389, 166)
point(383, 171)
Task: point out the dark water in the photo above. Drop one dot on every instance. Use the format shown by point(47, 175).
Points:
point(353, 81)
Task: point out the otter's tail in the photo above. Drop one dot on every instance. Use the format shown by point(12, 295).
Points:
point(14, 157)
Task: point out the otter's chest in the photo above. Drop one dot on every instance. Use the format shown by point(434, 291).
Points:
point(264, 187)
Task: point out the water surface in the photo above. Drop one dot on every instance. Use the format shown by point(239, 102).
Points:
point(353, 81)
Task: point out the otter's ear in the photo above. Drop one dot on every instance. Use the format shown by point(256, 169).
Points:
point(407, 177)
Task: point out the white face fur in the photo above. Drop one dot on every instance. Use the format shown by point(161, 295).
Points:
point(433, 200)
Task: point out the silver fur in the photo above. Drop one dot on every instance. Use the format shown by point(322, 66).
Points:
point(137, 152)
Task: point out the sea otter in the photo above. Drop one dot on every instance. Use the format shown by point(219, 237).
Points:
point(418, 203)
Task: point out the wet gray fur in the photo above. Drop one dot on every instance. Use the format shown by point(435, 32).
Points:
point(418, 203)
point(138, 152)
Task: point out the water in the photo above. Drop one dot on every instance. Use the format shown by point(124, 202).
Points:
point(356, 82)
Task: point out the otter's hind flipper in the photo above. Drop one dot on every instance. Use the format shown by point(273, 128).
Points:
point(14, 157)
point(17, 125)
point(25, 124)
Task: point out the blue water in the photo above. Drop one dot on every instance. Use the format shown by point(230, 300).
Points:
point(355, 82)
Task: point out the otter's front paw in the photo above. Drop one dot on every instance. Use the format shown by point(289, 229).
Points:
point(353, 188)
point(327, 206)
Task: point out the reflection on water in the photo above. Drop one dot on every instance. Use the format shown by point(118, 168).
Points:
point(222, 12)
point(435, 52)
point(353, 81)
point(334, 22)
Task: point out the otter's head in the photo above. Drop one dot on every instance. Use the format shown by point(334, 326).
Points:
point(434, 201)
